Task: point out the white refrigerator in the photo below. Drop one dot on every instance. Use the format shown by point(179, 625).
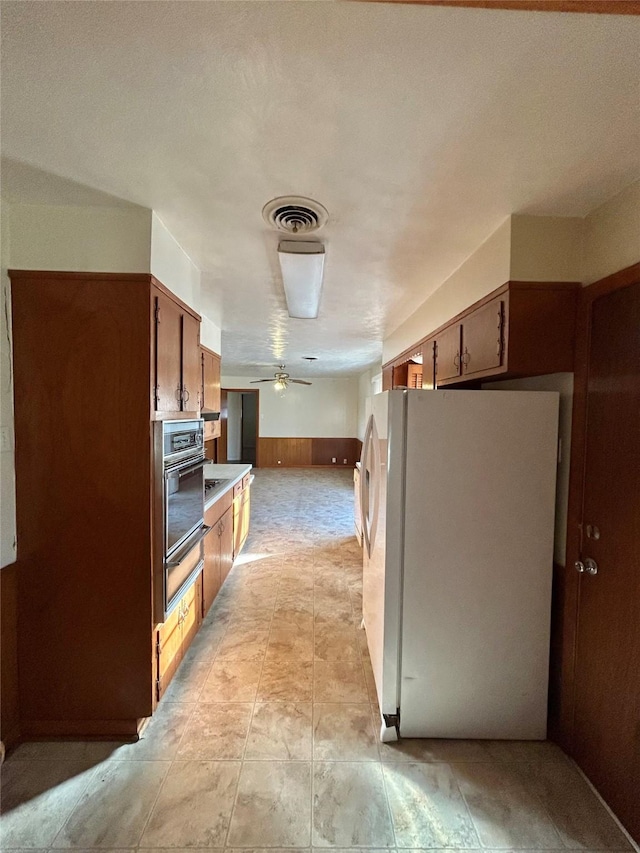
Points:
point(458, 504)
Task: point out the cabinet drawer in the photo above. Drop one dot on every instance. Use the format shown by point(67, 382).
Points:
point(215, 512)
point(246, 480)
point(237, 489)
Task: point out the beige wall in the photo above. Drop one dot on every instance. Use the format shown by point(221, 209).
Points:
point(546, 248)
point(486, 269)
point(95, 239)
point(369, 383)
point(73, 238)
point(532, 248)
point(326, 409)
point(612, 235)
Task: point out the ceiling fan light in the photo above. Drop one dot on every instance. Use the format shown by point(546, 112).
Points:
point(302, 265)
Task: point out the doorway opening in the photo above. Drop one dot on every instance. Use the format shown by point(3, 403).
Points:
point(240, 425)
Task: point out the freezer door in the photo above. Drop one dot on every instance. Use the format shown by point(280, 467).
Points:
point(381, 485)
point(480, 501)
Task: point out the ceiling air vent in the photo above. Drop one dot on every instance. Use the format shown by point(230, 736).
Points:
point(294, 214)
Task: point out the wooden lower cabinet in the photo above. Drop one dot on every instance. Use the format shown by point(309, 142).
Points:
point(174, 636)
point(241, 515)
point(226, 544)
point(218, 549)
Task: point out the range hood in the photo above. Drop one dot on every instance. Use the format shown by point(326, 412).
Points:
point(208, 415)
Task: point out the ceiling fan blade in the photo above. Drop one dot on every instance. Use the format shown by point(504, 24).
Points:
point(300, 382)
point(253, 381)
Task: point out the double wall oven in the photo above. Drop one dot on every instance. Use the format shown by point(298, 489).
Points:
point(180, 464)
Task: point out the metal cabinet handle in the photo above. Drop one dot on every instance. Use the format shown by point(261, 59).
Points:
point(179, 394)
point(185, 395)
point(589, 566)
point(466, 358)
point(456, 360)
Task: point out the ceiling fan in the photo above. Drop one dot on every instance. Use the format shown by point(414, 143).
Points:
point(281, 379)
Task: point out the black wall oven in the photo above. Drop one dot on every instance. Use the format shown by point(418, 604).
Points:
point(183, 507)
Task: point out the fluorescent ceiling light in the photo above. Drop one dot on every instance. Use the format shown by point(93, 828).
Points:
point(302, 264)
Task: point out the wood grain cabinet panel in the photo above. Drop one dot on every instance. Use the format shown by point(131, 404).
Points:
point(482, 339)
point(176, 348)
point(210, 393)
point(191, 371)
point(168, 348)
point(523, 328)
point(88, 349)
point(447, 354)
point(174, 636)
point(226, 544)
point(218, 549)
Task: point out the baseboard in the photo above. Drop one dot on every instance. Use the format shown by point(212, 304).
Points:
point(82, 729)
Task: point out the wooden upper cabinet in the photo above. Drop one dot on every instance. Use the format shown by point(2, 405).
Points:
point(176, 355)
point(482, 339)
point(190, 362)
point(523, 328)
point(210, 385)
point(447, 354)
point(168, 348)
point(428, 365)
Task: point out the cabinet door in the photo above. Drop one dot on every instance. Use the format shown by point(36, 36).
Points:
point(211, 580)
point(168, 340)
point(246, 514)
point(428, 365)
point(168, 649)
point(226, 544)
point(447, 354)
point(482, 343)
point(191, 613)
point(191, 364)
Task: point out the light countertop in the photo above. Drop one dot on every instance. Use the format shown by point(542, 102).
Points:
point(229, 473)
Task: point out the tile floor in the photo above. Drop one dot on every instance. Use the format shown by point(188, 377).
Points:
point(267, 737)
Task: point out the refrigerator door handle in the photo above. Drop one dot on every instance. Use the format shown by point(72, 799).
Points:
point(364, 486)
point(374, 484)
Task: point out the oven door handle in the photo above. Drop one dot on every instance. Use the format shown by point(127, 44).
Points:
point(203, 532)
point(187, 469)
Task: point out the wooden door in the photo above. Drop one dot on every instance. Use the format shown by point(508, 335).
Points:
point(482, 348)
point(168, 343)
point(191, 365)
point(607, 669)
point(447, 354)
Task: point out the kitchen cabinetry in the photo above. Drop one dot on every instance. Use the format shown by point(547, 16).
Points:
point(407, 375)
point(174, 636)
point(241, 514)
point(177, 355)
point(218, 549)
point(210, 390)
point(521, 329)
point(89, 528)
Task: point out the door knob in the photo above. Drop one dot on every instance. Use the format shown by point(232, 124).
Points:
point(589, 566)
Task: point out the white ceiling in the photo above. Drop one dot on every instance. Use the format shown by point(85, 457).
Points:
point(419, 128)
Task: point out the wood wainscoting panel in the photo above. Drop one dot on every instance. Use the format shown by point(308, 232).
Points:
point(9, 711)
point(308, 452)
point(285, 452)
point(324, 450)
